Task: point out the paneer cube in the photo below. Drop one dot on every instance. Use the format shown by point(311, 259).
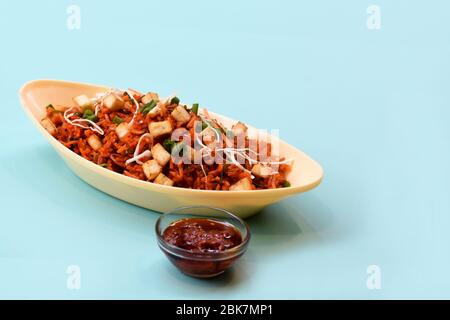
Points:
point(95, 142)
point(262, 170)
point(160, 154)
point(160, 128)
point(243, 184)
point(181, 115)
point(239, 129)
point(60, 108)
point(162, 179)
point(208, 135)
point(151, 169)
point(149, 97)
point(49, 126)
point(122, 130)
point(113, 102)
point(83, 102)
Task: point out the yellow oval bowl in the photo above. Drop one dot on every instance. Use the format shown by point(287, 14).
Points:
point(36, 95)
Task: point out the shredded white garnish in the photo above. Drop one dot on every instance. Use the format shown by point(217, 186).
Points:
point(136, 157)
point(230, 156)
point(146, 153)
point(82, 123)
point(97, 101)
point(231, 153)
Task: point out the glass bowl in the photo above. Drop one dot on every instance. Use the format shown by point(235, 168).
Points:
point(202, 264)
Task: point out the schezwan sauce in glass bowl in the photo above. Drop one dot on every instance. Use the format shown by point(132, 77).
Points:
point(202, 235)
point(202, 241)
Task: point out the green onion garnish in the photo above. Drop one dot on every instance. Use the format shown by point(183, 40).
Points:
point(286, 184)
point(90, 115)
point(204, 126)
point(104, 165)
point(175, 100)
point(168, 145)
point(194, 108)
point(117, 120)
point(146, 108)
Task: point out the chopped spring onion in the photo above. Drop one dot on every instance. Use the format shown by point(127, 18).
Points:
point(90, 115)
point(117, 120)
point(194, 108)
point(286, 184)
point(169, 145)
point(104, 165)
point(82, 123)
point(204, 126)
point(146, 108)
point(175, 100)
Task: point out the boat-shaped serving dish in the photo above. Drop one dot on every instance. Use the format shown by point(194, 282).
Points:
point(36, 95)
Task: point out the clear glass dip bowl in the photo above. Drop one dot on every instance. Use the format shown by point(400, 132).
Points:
point(202, 264)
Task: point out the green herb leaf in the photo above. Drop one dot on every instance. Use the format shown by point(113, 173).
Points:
point(146, 108)
point(90, 115)
point(117, 120)
point(175, 100)
point(194, 108)
point(169, 145)
point(286, 184)
point(204, 126)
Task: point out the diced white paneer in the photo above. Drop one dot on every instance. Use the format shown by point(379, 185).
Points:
point(243, 184)
point(160, 128)
point(94, 142)
point(208, 135)
point(239, 129)
point(60, 108)
point(151, 169)
point(83, 102)
point(155, 110)
point(48, 125)
point(122, 130)
point(181, 115)
point(160, 154)
point(113, 102)
point(149, 97)
point(162, 179)
point(262, 170)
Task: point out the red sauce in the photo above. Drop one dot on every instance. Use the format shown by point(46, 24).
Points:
point(202, 235)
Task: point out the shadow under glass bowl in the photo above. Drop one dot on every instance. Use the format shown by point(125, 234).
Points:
point(202, 265)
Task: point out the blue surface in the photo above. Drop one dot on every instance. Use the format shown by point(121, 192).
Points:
point(372, 106)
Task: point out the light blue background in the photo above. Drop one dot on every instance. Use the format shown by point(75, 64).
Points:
point(371, 106)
